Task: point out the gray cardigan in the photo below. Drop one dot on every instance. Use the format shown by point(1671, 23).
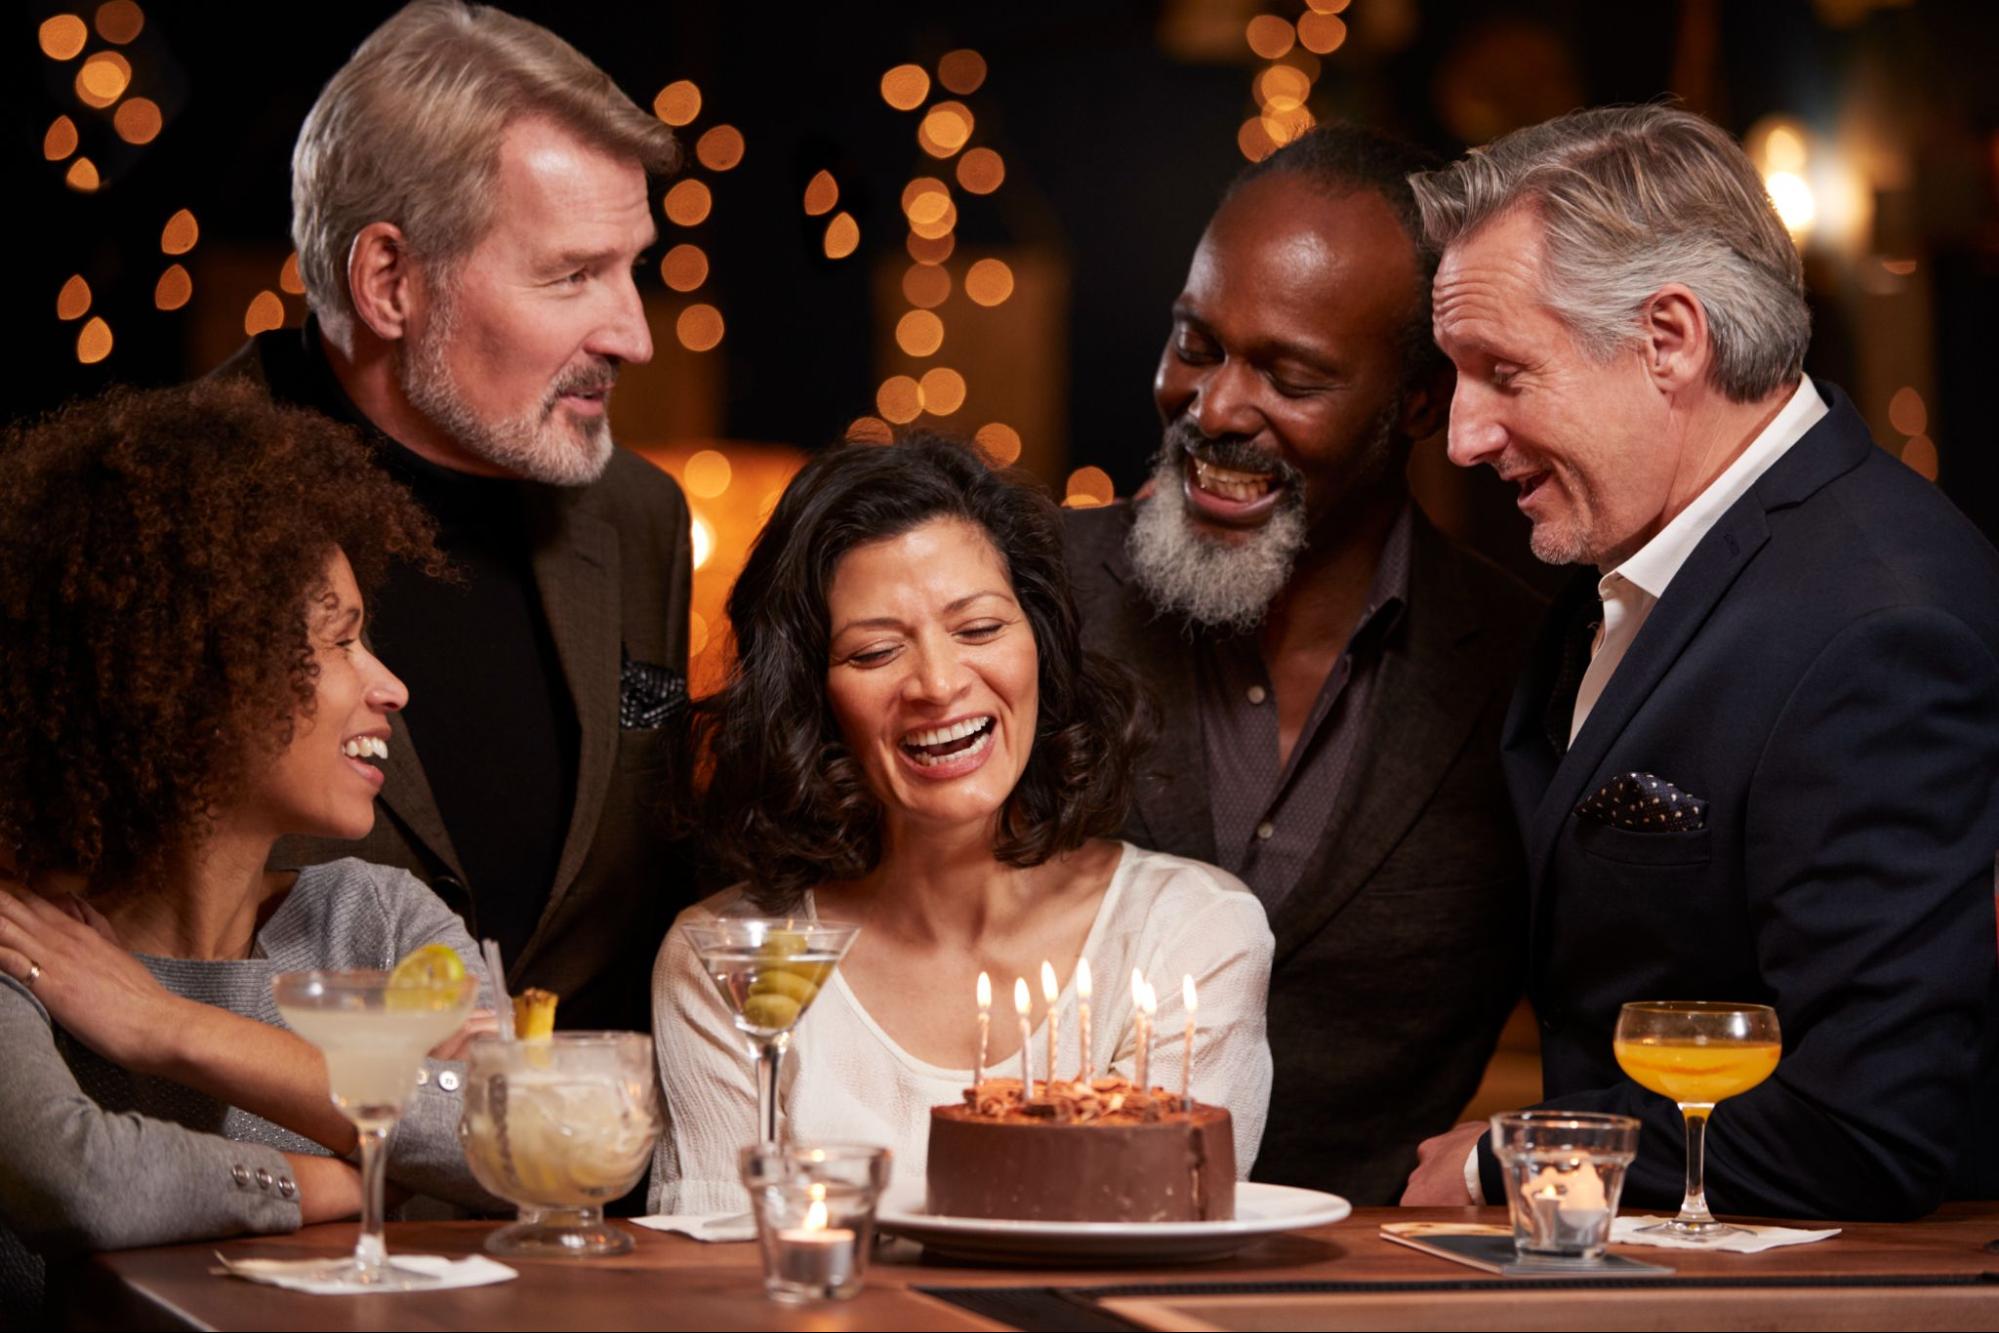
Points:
point(95, 1157)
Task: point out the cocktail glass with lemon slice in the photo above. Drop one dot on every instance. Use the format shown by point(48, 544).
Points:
point(560, 1125)
point(374, 1029)
point(769, 972)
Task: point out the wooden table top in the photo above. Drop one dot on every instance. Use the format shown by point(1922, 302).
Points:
point(672, 1282)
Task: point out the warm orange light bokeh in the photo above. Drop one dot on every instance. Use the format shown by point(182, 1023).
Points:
point(684, 268)
point(721, 148)
point(1000, 441)
point(930, 249)
point(63, 37)
point(843, 235)
point(60, 141)
point(93, 341)
point(266, 311)
point(180, 233)
point(961, 71)
point(678, 103)
point(899, 399)
point(945, 129)
point(103, 79)
point(943, 391)
point(905, 87)
point(926, 286)
point(119, 21)
point(174, 289)
point(981, 171)
point(699, 327)
point(1321, 33)
point(821, 193)
point(989, 282)
point(1268, 36)
point(687, 204)
point(73, 301)
point(138, 120)
point(289, 278)
point(870, 430)
point(1089, 486)
point(82, 176)
point(919, 333)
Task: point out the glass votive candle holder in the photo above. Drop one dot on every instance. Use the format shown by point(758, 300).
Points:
point(1564, 1171)
point(815, 1211)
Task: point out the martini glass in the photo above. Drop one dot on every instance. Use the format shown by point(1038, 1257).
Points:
point(769, 971)
point(1697, 1052)
point(374, 1036)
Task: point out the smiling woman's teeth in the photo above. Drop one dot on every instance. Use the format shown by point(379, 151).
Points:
point(944, 744)
point(1228, 483)
point(362, 746)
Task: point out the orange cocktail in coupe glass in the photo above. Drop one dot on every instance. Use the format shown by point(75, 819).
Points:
point(1697, 1052)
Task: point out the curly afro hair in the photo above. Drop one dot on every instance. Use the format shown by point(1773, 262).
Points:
point(787, 805)
point(157, 553)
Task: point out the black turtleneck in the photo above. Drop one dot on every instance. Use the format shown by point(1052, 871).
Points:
point(490, 712)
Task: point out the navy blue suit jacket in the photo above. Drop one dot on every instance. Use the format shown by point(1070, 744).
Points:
point(1824, 672)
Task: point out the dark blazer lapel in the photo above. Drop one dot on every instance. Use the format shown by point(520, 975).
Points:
point(1834, 446)
point(576, 572)
point(1420, 715)
point(1172, 797)
point(406, 791)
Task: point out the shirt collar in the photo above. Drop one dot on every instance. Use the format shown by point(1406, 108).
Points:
point(1655, 563)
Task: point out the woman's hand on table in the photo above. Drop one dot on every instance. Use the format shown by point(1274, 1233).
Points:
point(1439, 1178)
point(328, 1188)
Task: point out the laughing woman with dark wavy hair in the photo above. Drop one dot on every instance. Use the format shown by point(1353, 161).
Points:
point(913, 738)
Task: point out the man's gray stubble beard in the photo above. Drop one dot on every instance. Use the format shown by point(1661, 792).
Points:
point(516, 444)
point(1216, 584)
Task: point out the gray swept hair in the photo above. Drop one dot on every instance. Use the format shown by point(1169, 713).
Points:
point(408, 131)
point(1632, 198)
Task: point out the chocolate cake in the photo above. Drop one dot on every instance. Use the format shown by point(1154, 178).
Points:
point(1102, 1151)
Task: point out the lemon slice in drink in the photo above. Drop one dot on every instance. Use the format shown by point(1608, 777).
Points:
point(429, 978)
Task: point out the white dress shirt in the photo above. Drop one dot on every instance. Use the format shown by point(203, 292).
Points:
point(1630, 591)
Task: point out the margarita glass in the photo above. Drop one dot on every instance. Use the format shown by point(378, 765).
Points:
point(374, 1035)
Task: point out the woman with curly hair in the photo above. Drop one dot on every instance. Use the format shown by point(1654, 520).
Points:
point(183, 680)
point(913, 738)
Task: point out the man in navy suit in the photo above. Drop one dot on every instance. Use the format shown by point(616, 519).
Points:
point(1788, 640)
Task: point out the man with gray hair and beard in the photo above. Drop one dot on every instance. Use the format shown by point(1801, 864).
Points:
point(1332, 670)
point(1755, 753)
point(469, 202)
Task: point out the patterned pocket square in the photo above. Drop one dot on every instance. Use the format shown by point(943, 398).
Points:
point(1642, 803)
point(649, 695)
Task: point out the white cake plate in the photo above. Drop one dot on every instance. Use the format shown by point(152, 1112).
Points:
point(1260, 1210)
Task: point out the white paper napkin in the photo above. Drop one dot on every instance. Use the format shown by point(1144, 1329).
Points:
point(1746, 1240)
point(298, 1274)
point(703, 1226)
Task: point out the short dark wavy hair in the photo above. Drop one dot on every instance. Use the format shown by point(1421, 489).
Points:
point(158, 551)
point(787, 806)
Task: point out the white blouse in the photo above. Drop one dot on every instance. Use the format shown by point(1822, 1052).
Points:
point(846, 1080)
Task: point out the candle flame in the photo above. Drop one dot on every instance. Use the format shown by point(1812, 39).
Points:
point(1083, 977)
point(1138, 987)
point(1021, 1003)
point(815, 1214)
point(1149, 1001)
point(985, 992)
point(1049, 990)
point(1187, 993)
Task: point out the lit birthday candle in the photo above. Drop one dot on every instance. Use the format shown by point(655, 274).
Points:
point(1187, 1063)
point(1141, 1029)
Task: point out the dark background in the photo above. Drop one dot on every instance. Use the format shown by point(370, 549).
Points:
point(1117, 143)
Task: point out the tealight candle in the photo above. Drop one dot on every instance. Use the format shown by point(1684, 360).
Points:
point(1021, 1005)
point(816, 1255)
point(1187, 1064)
point(985, 1025)
point(1083, 1013)
point(1049, 992)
